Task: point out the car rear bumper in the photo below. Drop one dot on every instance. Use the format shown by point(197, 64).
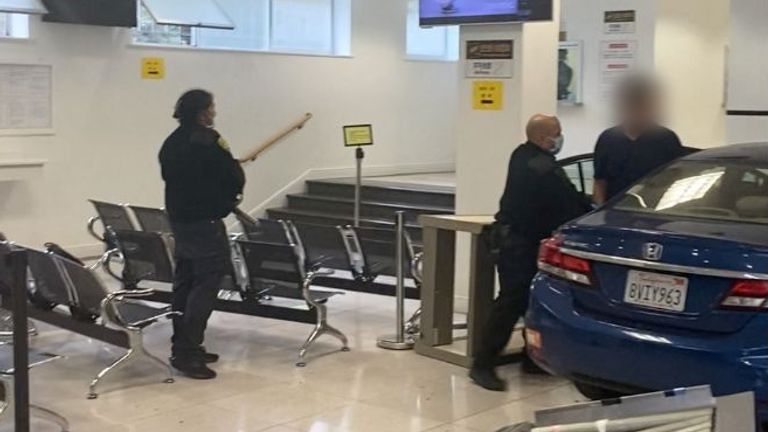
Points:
point(606, 354)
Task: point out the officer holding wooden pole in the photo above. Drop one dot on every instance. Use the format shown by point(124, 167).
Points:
point(203, 185)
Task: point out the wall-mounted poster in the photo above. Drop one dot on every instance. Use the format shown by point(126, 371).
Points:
point(569, 73)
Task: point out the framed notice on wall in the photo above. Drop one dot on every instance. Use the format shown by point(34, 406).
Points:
point(26, 98)
point(620, 22)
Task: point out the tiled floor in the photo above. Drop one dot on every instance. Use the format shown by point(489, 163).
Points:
point(259, 389)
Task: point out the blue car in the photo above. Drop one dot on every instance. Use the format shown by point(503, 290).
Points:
point(665, 286)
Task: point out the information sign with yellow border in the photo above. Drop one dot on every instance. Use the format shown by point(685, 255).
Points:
point(358, 135)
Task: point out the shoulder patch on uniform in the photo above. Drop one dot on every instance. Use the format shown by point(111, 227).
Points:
point(541, 164)
point(223, 143)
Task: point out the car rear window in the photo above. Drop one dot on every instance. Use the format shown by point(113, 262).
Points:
point(713, 190)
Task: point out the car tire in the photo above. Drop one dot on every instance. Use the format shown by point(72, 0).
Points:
point(592, 392)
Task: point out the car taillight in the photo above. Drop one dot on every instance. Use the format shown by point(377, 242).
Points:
point(553, 261)
point(747, 294)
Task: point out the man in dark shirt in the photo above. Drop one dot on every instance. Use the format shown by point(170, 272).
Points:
point(626, 153)
point(203, 184)
point(537, 199)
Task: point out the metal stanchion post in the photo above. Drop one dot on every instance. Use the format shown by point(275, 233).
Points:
point(359, 156)
point(18, 262)
point(401, 340)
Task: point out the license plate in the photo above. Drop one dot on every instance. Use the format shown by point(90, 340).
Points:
point(657, 291)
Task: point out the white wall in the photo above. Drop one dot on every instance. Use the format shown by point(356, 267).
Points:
point(110, 124)
point(748, 70)
point(582, 21)
point(691, 39)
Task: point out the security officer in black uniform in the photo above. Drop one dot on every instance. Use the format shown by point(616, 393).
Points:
point(203, 184)
point(537, 199)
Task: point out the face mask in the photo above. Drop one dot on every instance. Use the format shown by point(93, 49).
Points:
point(558, 142)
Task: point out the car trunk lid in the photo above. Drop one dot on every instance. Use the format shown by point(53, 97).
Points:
point(656, 271)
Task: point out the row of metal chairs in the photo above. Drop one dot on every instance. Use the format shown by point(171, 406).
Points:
point(320, 246)
point(272, 270)
point(271, 258)
point(69, 294)
point(365, 252)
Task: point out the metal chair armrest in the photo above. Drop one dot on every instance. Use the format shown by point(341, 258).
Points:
point(319, 272)
point(416, 267)
point(307, 284)
point(120, 295)
point(91, 222)
point(141, 323)
point(106, 262)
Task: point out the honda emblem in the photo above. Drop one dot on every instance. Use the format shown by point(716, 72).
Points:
point(652, 251)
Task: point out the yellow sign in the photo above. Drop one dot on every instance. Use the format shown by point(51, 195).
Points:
point(153, 68)
point(358, 135)
point(488, 95)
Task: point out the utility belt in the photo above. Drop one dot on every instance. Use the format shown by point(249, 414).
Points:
point(500, 236)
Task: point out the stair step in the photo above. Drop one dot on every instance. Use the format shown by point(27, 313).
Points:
point(419, 195)
point(336, 219)
point(368, 209)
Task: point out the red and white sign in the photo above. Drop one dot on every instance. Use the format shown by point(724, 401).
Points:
point(617, 59)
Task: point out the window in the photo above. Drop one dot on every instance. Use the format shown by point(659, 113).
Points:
point(702, 189)
point(292, 26)
point(436, 43)
point(148, 31)
point(15, 26)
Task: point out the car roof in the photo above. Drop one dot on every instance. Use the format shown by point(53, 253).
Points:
point(751, 152)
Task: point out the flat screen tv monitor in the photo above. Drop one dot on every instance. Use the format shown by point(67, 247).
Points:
point(111, 13)
point(451, 12)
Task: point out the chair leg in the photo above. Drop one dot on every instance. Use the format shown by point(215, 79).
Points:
point(48, 415)
point(322, 327)
point(316, 332)
point(126, 359)
point(165, 366)
point(412, 326)
point(136, 352)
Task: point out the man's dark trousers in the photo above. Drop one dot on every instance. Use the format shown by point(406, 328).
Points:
point(517, 266)
point(202, 262)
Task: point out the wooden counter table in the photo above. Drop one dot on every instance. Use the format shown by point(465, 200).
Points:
point(437, 291)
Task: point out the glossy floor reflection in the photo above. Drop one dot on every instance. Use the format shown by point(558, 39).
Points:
point(259, 389)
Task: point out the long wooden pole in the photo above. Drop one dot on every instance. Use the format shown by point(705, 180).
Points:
point(274, 139)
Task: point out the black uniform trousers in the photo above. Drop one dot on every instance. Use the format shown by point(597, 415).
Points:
point(203, 260)
point(517, 267)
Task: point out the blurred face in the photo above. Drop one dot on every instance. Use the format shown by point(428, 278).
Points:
point(641, 113)
point(208, 116)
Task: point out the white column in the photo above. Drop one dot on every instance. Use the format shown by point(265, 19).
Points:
point(486, 139)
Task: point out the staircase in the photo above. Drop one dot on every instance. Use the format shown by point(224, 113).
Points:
point(331, 202)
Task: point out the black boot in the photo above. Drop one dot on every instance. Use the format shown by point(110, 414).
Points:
point(193, 368)
point(207, 356)
point(486, 378)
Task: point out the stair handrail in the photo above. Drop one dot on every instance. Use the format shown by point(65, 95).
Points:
point(276, 138)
